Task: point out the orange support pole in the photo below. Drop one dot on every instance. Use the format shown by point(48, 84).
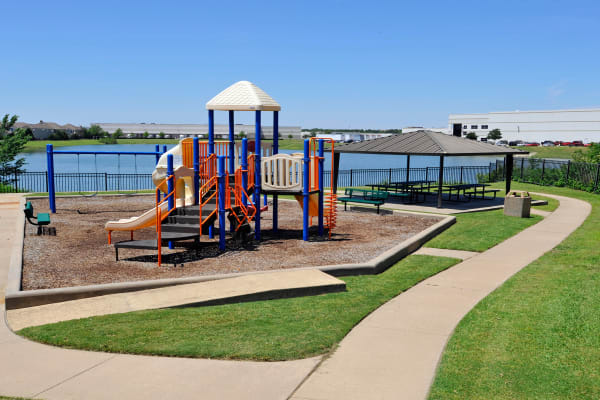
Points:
point(109, 237)
point(159, 234)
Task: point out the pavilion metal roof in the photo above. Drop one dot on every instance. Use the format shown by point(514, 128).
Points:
point(425, 143)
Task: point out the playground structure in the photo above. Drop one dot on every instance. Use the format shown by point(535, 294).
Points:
point(200, 182)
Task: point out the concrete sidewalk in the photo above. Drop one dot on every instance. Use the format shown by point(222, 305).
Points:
point(269, 285)
point(394, 352)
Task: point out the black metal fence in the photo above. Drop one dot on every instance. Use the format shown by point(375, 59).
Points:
point(577, 175)
point(104, 182)
point(74, 182)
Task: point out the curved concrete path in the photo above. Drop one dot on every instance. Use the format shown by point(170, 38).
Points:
point(394, 352)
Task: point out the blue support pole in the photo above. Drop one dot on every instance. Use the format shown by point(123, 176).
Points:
point(275, 132)
point(157, 150)
point(164, 148)
point(231, 143)
point(50, 166)
point(305, 189)
point(211, 132)
point(257, 179)
point(170, 187)
point(321, 161)
point(275, 151)
point(222, 194)
point(244, 164)
point(196, 171)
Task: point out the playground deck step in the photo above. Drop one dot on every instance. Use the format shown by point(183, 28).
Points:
point(194, 210)
point(182, 227)
point(253, 287)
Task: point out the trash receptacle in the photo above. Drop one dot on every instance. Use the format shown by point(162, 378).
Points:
point(517, 203)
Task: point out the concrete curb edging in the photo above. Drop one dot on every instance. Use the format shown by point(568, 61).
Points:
point(15, 269)
point(16, 298)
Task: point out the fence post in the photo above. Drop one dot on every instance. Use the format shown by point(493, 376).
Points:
point(522, 162)
point(46, 182)
point(543, 168)
point(105, 182)
point(350, 177)
point(461, 174)
point(568, 172)
point(427, 173)
point(390, 177)
point(16, 181)
point(597, 176)
point(490, 172)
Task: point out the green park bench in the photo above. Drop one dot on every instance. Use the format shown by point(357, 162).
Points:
point(364, 196)
point(41, 220)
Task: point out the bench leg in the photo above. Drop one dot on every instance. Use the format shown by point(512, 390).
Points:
point(345, 205)
point(116, 254)
point(377, 208)
point(39, 232)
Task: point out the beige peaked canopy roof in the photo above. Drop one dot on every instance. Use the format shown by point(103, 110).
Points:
point(426, 143)
point(243, 96)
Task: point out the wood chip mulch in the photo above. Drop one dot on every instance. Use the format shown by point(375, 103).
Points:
point(79, 254)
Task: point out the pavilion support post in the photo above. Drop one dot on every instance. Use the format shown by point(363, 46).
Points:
point(407, 168)
point(509, 170)
point(440, 182)
point(333, 184)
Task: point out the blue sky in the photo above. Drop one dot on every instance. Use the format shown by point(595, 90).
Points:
point(330, 64)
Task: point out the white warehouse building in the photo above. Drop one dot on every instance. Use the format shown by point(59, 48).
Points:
point(531, 126)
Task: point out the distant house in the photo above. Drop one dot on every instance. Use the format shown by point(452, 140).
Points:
point(44, 129)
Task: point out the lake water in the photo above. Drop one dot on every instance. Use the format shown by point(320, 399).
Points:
point(145, 164)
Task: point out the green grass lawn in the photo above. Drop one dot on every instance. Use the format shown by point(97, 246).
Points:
point(479, 231)
point(40, 145)
point(538, 335)
point(552, 152)
point(267, 330)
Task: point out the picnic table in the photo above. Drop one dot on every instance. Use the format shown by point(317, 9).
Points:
point(407, 190)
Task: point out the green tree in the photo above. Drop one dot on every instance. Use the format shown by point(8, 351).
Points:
point(242, 134)
point(117, 134)
point(495, 134)
point(146, 134)
point(471, 135)
point(592, 155)
point(290, 136)
point(95, 131)
point(161, 135)
point(11, 144)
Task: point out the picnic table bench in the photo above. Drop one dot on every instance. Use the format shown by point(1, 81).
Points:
point(469, 190)
point(475, 193)
point(364, 196)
